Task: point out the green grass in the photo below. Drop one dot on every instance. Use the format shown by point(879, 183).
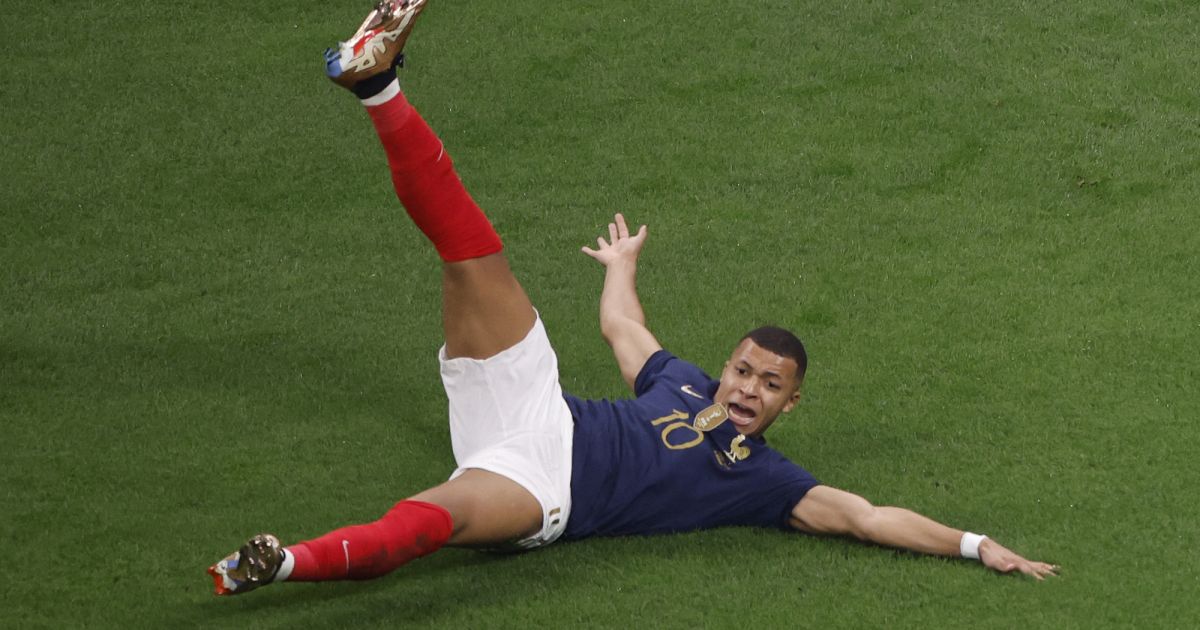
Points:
point(981, 219)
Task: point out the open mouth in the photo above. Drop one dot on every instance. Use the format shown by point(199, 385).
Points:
point(740, 414)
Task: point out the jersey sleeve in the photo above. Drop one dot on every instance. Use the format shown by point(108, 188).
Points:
point(664, 367)
point(794, 482)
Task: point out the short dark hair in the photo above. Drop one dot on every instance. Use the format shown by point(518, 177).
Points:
point(782, 342)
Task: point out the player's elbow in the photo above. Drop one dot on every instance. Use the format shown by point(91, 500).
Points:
point(610, 327)
point(617, 328)
point(609, 330)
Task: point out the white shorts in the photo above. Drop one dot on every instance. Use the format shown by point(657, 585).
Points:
point(508, 416)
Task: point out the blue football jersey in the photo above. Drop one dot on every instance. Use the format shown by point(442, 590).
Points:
point(669, 461)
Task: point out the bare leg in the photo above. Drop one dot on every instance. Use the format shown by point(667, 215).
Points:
point(487, 509)
point(484, 308)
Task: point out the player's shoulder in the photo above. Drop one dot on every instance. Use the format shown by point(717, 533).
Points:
point(666, 371)
point(786, 471)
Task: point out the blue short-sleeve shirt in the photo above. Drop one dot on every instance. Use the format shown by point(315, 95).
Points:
point(663, 462)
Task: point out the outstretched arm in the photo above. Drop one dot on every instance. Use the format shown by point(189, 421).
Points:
point(622, 321)
point(826, 510)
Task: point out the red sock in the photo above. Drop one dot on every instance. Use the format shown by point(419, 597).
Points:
point(427, 185)
point(410, 530)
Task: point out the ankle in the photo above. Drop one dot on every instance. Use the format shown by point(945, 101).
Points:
point(374, 85)
point(389, 92)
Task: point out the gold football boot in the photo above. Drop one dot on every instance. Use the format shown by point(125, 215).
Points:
point(376, 46)
point(248, 568)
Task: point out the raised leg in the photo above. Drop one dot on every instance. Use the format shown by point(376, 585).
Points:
point(485, 310)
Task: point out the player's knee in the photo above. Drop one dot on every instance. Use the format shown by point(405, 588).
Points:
point(456, 508)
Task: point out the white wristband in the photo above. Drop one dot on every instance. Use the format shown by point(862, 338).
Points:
point(968, 546)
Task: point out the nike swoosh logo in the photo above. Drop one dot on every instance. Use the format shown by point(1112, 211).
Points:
point(687, 389)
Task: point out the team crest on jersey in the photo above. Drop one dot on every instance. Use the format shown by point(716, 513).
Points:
point(738, 451)
point(711, 418)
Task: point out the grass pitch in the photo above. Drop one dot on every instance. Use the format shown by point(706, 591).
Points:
point(981, 219)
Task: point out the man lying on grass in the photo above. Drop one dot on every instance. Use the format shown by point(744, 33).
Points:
point(536, 465)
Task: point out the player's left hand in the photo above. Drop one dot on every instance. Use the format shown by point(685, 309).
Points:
point(999, 558)
point(621, 246)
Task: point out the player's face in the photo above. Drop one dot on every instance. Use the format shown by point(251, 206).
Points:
point(756, 386)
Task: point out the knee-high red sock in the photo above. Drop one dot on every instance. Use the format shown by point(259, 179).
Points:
point(410, 530)
point(427, 185)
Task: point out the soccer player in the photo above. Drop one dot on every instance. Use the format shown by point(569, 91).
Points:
point(536, 465)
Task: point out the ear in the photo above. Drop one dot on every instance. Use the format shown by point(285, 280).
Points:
point(792, 401)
